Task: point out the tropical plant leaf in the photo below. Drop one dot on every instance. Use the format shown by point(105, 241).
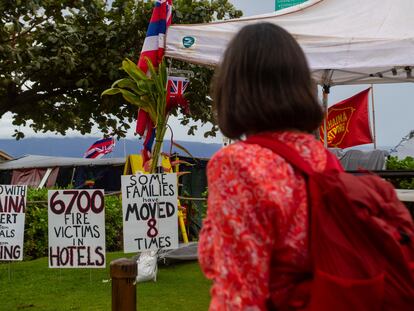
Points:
point(133, 71)
point(133, 98)
point(154, 76)
point(146, 86)
point(162, 72)
point(149, 94)
point(183, 149)
point(111, 91)
point(179, 174)
point(137, 101)
point(177, 162)
point(128, 83)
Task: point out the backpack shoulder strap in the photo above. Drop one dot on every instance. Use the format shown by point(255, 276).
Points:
point(286, 152)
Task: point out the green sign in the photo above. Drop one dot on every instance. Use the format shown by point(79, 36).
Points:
point(283, 4)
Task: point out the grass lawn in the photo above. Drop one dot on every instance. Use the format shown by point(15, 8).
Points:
point(33, 286)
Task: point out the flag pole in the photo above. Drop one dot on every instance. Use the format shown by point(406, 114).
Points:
point(373, 117)
point(325, 108)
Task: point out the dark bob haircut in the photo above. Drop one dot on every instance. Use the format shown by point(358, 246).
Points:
point(264, 84)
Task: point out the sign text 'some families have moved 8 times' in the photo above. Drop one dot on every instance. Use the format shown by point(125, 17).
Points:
point(149, 208)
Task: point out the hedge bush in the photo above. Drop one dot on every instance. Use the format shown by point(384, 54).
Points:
point(36, 224)
point(393, 163)
point(113, 223)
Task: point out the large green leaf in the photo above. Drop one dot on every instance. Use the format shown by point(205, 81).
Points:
point(133, 71)
point(146, 86)
point(154, 76)
point(112, 91)
point(162, 72)
point(128, 83)
point(134, 99)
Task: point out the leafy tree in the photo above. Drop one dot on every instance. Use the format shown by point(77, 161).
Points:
point(57, 56)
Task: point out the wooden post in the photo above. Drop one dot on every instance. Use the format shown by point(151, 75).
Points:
point(123, 274)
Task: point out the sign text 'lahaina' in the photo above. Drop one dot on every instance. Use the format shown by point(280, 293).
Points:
point(149, 208)
point(76, 229)
point(12, 215)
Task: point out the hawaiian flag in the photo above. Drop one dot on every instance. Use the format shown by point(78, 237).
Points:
point(153, 49)
point(348, 122)
point(99, 148)
point(175, 92)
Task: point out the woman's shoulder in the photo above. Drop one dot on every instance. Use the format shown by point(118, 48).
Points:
point(231, 150)
point(238, 153)
point(242, 154)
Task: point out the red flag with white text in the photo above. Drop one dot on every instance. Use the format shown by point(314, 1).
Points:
point(348, 122)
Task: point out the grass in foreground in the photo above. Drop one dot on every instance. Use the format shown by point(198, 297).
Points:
point(33, 286)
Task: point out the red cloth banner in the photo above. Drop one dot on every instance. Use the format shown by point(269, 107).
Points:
point(348, 122)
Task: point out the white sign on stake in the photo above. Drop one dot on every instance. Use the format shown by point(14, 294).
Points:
point(12, 215)
point(149, 209)
point(76, 228)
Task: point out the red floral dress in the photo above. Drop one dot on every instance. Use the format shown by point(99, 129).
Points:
point(253, 243)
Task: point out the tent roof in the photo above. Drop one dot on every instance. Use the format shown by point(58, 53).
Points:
point(36, 161)
point(346, 42)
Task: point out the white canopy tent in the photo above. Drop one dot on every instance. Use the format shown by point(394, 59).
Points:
point(345, 42)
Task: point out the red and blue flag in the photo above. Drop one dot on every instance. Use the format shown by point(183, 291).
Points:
point(154, 43)
point(153, 49)
point(99, 148)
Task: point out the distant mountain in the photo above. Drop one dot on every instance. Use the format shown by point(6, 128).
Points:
point(76, 146)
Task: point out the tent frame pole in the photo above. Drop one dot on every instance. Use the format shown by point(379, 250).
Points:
point(374, 133)
point(325, 94)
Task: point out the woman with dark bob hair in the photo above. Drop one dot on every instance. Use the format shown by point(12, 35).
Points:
point(253, 243)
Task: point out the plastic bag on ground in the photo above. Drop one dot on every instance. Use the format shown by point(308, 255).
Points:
point(147, 266)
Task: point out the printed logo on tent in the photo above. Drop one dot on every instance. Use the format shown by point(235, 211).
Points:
point(188, 41)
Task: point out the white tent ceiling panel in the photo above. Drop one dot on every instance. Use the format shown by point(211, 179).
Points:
point(364, 41)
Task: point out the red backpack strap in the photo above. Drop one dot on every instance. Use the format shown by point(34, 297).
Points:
point(332, 163)
point(286, 152)
point(292, 156)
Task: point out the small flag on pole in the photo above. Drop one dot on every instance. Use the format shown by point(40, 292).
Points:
point(99, 148)
point(176, 89)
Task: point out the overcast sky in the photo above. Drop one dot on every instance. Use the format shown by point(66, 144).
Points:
point(394, 112)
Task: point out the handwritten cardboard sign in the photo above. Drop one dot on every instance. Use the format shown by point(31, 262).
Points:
point(76, 229)
point(12, 216)
point(149, 208)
